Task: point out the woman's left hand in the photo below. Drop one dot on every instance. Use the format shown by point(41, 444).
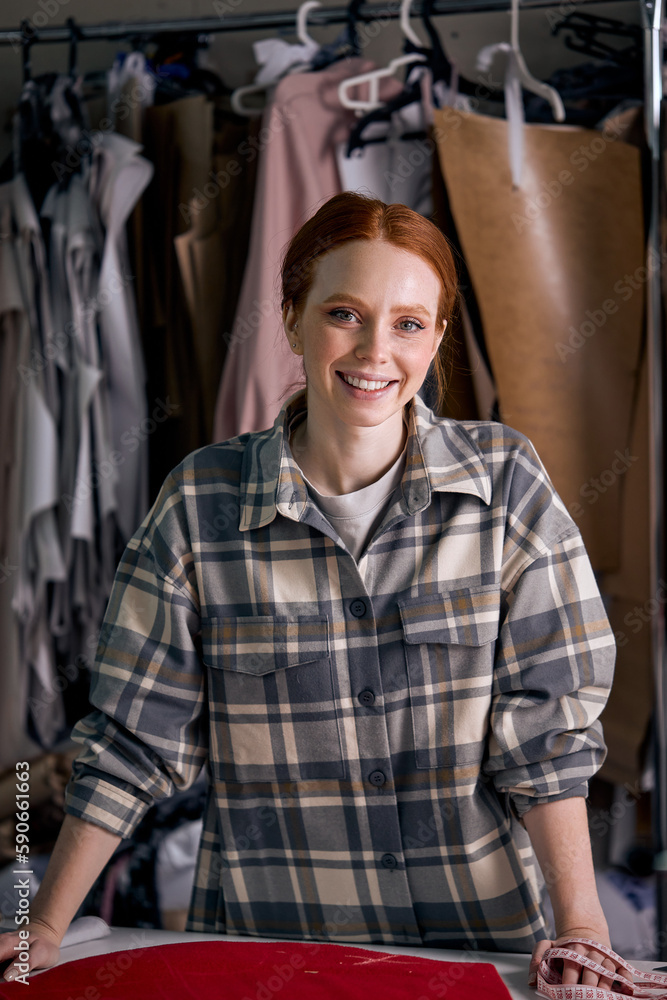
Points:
point(573, 973)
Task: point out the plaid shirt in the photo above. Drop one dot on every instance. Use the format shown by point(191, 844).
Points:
point(372, 731)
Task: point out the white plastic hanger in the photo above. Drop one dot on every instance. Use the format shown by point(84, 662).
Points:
point(373, 77)
point(517, 75)
point(528, 81)
point(296, 61)
point(405, 24)
point(302, 22)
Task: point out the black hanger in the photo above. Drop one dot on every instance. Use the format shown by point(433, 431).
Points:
point(344, 46)
point(586, 29)
point(441, 67)
point(352, 21)
point(26, 43)
point(411, 93)
point(74, 36)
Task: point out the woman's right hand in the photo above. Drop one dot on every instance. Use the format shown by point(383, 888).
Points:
point(43, 950)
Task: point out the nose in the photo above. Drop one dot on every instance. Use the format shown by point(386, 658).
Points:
point(373, 343)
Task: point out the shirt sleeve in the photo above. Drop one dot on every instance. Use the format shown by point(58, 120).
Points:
point(148, 734)
point(553, 673)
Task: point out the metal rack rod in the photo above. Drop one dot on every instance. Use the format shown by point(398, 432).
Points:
point(252, 21)
point(652, 12)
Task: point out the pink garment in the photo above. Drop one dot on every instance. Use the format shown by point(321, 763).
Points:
point(296, 174)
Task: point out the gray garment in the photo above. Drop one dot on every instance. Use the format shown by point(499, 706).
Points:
point(34, 558)
point(369, 746)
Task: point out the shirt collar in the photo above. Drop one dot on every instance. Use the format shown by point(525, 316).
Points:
point(441, 456)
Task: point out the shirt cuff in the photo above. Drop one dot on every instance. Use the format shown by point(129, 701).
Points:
point(115, 807)
point(520, 804)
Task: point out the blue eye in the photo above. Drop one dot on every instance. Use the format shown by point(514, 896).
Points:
point(415, 324)
point(346, 312)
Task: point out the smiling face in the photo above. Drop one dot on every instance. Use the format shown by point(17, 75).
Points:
point(366, 332)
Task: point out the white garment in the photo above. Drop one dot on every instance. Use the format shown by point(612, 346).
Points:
point(129, 70)
point(120, 177)
point(395, 170)
point(276, 57)
point(175, 865)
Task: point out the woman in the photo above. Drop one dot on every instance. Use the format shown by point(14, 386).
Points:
point(379, 628)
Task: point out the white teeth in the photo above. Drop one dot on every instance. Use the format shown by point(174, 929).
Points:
point(362, 383)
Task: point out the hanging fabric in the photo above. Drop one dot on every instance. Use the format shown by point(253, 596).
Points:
point(71, 301)
point(563, 338)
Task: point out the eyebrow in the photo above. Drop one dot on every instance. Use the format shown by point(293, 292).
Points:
point(353, 300)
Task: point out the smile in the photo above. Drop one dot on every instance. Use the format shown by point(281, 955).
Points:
point(362, 383)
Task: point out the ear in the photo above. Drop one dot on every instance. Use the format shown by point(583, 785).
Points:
point(290, 326)
point(439, 339)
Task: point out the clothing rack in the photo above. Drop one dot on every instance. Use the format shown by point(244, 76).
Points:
point(31, 34)
point(652, 12)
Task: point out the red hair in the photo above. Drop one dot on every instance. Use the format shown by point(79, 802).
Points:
point(352, 216)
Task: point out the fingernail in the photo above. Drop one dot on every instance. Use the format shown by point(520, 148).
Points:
point(9, 976)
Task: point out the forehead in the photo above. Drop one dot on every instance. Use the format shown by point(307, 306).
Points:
point(372, 265)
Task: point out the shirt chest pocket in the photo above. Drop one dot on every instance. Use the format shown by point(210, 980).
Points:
point(272, 699)
point(449, 640)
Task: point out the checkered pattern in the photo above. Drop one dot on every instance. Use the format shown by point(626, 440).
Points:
point(240, 634)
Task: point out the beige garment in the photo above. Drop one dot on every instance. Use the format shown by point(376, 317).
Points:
point(550, 263)
point(201, 260)
point(212, 253)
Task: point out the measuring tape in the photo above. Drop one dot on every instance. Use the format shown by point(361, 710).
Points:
point(549, 978)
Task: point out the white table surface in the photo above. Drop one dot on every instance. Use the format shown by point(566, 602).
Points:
point(513, 968)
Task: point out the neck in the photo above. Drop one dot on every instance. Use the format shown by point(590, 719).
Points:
point(351, 458)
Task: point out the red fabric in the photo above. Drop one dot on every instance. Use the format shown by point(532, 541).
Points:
point(211, 970)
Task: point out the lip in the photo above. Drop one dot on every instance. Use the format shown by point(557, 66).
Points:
point(372, 377)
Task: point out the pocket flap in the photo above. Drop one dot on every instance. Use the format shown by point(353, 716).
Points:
point(260, 644)
point(467, 616)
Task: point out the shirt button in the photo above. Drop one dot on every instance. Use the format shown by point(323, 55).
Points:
point(388, 861)
point(366, 697)
point(377, 778)
point(358, 608)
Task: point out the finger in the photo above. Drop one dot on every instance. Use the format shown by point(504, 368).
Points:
point(605, 982)
point(41, 955)
point(571, 972)
point(538, 953)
